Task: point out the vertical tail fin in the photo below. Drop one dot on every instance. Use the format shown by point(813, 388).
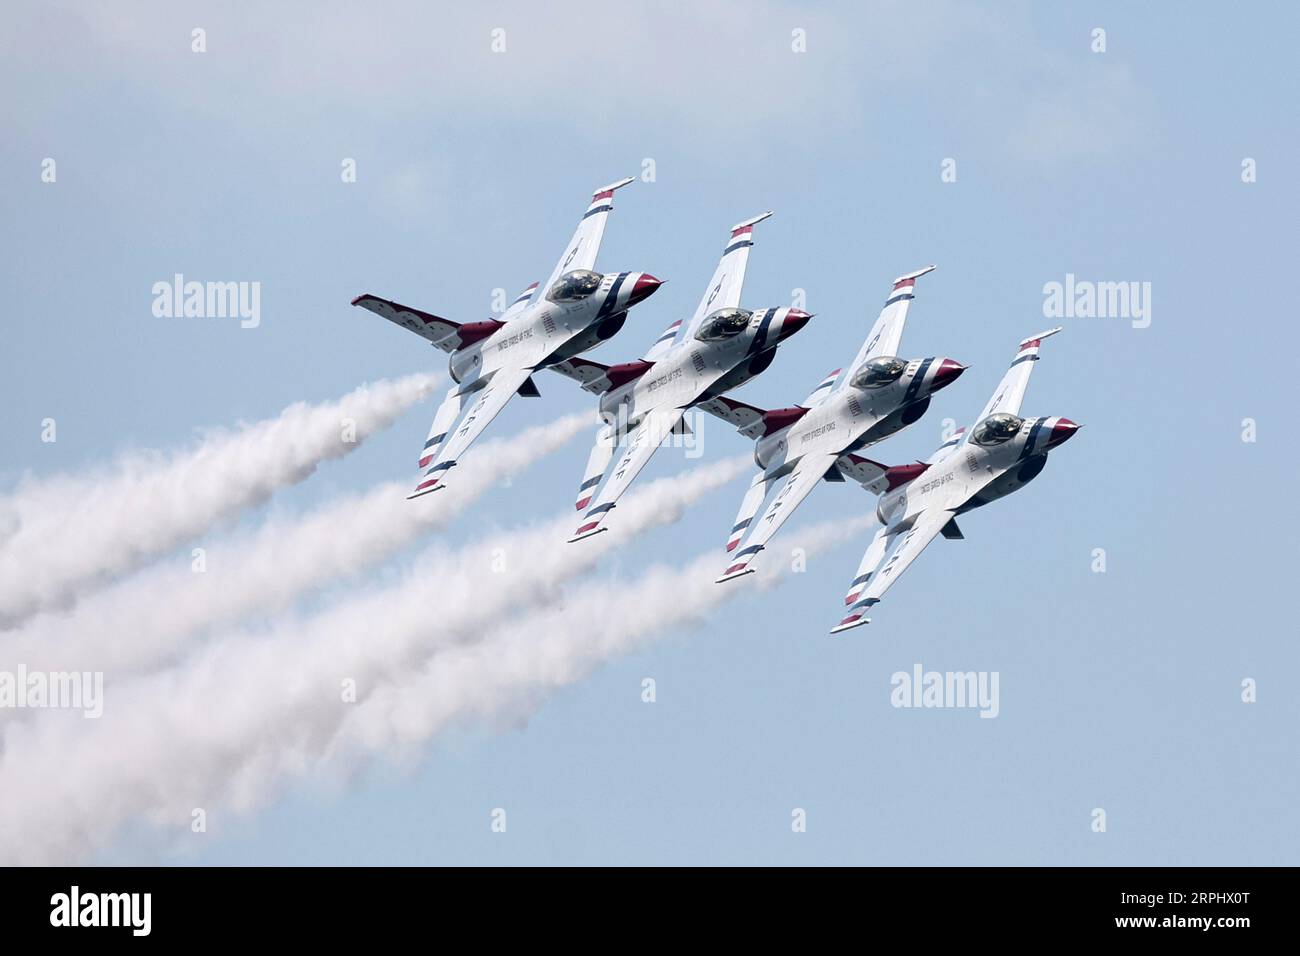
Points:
point(818, 394)
point(946, 449)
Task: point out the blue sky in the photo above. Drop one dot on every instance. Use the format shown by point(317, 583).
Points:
point(1118, 690)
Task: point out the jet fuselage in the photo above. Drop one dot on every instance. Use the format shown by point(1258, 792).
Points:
point(548, 331)
point(852, 418)
point(693, 370)
point(974, 474)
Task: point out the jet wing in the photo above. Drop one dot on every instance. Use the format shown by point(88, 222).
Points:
point(1011, 390)
point(886, 558)
point(807, 473)
point(749, 506)
point(728, 279)
point(886, 335)
point(441, 332)
point(444, 446)
point(581, 251)
point(748, 419)
point(641, 443)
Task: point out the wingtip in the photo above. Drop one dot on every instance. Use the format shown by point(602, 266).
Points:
point(582, 536)
point(1040, 336)
point(752, 221)
point(917, 274)
point(733, 575)
point(842, 626)
point(427, 491)
point(616, 185)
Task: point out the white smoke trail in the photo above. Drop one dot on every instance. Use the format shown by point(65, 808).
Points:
point(508, 676)
point(250, 711)
point(72, 532)
point(145, 620)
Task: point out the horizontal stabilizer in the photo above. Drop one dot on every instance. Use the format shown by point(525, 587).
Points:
point(597, 378)
point(951, 531)
point(443, 333)
point(748, 419)
point(529, 388)
point(863, 470)
point(588, 374)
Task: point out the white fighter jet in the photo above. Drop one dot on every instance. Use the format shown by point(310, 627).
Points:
point(854, 407)
point(643, 402)
point(1001, 453)
point(572, 312)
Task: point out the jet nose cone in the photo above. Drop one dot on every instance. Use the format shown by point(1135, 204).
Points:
point(795, 319)
point(947, 373)
point(643, 288)
point(1062, 432)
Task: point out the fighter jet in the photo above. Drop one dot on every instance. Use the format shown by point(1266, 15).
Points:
point(874, 397)
point(1001, 453)
point(491, 361)
point(643, 402)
